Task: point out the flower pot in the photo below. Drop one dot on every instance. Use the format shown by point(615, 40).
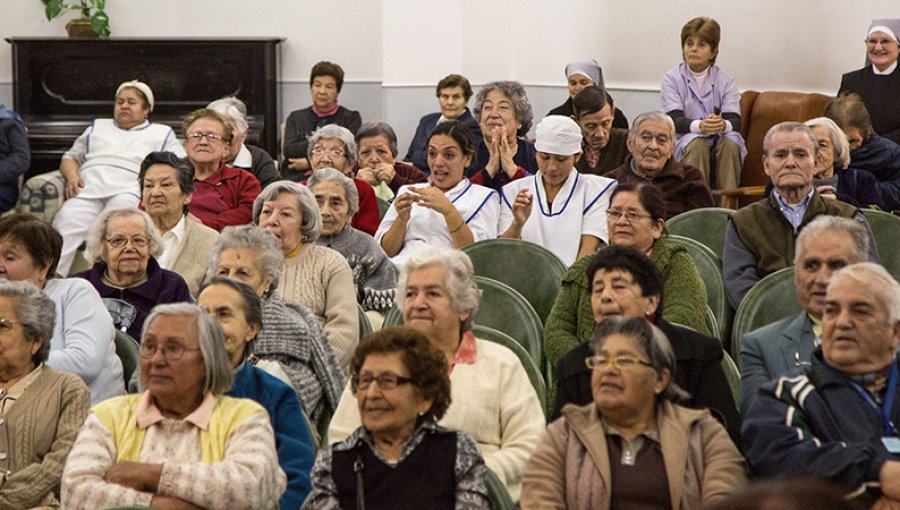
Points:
point(80, 27)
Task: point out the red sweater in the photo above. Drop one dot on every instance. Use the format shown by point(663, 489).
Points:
point(226, 198)
point(367, 218)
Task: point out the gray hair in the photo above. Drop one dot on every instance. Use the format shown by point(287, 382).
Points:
point(311, 224)
point(333, 175)
point(838, 140)
point(652, 340)
point(373, 129)
point(789, 127)
point(270, 257)
point(516, 93)
point(877, 279)
point(650, 116)
point(233, 109)
point(210, 338)
point(461, 286)
point(332, 131)
point(824, 222)
point(96, 236)
point(35, 312)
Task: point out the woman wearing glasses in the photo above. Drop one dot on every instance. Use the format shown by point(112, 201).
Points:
point(401, 389)
point(633, 446)
point(123, 245)
point(223, 195)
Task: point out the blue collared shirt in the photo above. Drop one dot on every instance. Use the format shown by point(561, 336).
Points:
point(793, 213)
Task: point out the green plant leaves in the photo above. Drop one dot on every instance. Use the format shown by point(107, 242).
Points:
point(53, 8)
point(100, 24)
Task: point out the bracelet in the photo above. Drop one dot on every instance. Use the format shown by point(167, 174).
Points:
point(459, 227)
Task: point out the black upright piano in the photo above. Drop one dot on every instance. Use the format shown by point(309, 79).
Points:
point(60, 85)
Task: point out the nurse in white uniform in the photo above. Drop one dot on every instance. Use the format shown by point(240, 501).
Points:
point(448, 211)
point(558, 208)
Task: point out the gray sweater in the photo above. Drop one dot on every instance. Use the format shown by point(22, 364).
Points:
point(373, 273)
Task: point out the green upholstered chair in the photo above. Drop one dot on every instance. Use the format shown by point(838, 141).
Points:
point(772, 298)
point(733, 376)
point(531, 368)
point(529, 268)
point(394, 316)
point(365, 327)
point(498, 496)
point(886, 229)
point(706, 226)
point(127, 351)
point(709, 265)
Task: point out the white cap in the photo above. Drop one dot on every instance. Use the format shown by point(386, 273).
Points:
point(558, 134)
point(143, 87)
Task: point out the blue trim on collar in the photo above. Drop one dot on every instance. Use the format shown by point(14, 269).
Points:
point(537, 191)
point(594, 201)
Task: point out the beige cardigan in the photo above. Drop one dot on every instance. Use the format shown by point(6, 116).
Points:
point(191, 258)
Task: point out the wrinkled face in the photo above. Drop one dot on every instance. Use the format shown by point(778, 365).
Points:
point(854, 137)
point(283, 218)
point(330, 153)
point(446, 161)
point(825, 161)
point(17, 264)
point(857, 335)
point(161, 195)
point(640, 232)
point(498, 110)
point(882, 50)
point(698, 54)
point(334, 207)
point(595, 127)
point(615, 294)
point(203, 150)
point(428, 307)
point(628, 391)
point(555, 169)
point(15, 349)
point(791, 161)
point(821, 256)
point(652, 146)
point(129, 260)
point(577, 83)
point(237, 140)
point(375, 150)
point(388, 412)
point(176, 379)
point(130, 109)
point(324, 92)
point(224, 304)
point(243, 264)
point(452, 101)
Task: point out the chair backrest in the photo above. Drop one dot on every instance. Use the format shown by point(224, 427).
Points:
point(772, 298)
point(365, 327)
point(733, 376)
point(886, 229)
point(529, 268)
point(498, 496)
point(709, 265)
point(127, 351)
point(531, 368)
point(706, 226)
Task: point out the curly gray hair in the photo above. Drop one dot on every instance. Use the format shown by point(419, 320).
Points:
point(333, 131)
point(332, 175)
point(460, 283)
point(269, 256)
point(311, 224)
point(93, 251)
point(516, 93)
point(35, 312)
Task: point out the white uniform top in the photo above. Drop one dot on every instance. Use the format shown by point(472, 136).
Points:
point(427, 228)
point(579, 209)
point(110, 157)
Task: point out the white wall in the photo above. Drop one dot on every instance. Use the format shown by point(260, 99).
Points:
point(394, 51)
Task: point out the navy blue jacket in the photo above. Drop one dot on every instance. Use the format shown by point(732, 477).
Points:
point(418, 148)
point(881, 157)
point(292, 438)
point(15, 157)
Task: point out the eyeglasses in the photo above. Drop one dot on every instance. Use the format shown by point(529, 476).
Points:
point(335, 153)
point(618, 362)
point(882, 42)
point(172, 352)
point(385, 381)
point(120, 241)
point(211, 137)
point(7, 324)
point(630, 216)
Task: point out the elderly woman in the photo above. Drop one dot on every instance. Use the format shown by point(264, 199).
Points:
point(705, 104)
point(582, 74)
point(240, 155)
point(123, 245)
point(493, 399)
point(502, 154)
point(82, 339)
point(223, 195)
point(633, 446)
point(167, 186)
point(224, 447)
point(314, 276)
point(451, 212)
point(325, 82)
point(624, 282)
point(100, 167)
point(42, 409)
point(373, 273)
point(378, 163)
point(237, 308)
point(380, 464)
point(453, 93)
point(574, 225)
point(878, 84)
point(291, 334)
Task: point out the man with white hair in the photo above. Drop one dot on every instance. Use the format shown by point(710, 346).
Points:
point(835, 418)
point(240, 155)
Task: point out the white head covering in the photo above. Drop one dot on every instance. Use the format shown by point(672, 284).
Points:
point(589, 68)
point(890, 26)
point(558, 134)
point(143, 87)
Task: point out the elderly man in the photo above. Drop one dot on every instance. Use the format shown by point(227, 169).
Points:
point(651, 142)
point(760, 238)
point(834, 418)
point(604, 147)
point(827, 244)
point(240, 155)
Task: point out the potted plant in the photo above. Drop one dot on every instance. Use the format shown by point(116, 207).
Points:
point(93, 21)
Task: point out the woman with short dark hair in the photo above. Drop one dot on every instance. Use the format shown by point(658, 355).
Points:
point(378, 163)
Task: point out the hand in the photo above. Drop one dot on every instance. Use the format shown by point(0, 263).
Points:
point(298, 164)
point(135, 475)
point(493, 164)
point(385, 172)
point(507, 163)
point(886, 503)
point(713, 124)
point(890, 479)
point(521, 208)
point(433, 199)
point(827, 191)
point(403, 204)
point(368, 175)
point(73, 186)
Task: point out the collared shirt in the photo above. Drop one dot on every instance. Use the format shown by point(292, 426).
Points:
point(243, 159)
point(148, 414)
point(466, 352)
point(171, 241)
point(817, 328)
point(794, 213)
point(630, 447)
point(889, 70)
point(11, 396)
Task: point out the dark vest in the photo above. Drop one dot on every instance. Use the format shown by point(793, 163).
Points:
point(425, 479)
point(642, 486)
point(769, 236)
